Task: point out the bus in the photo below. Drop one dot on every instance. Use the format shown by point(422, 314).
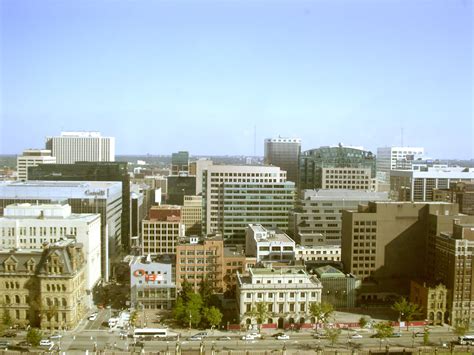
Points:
point(150, 332)
point(466, 340)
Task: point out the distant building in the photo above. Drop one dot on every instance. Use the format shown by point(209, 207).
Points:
point(339, 289)
point(152, 282)
point(288, 292)
point(394, 158)
point(236, 195)
point(431, 299)
point(318, 213)
point(268, 245)
point(284, 153)
point(71, 147)
point(32, 157)
point(192, 215)
point(100, 197)
point(26, 226)
point(418, 185)
point(339, 166)
point(178, 187)
point(199, 259)
point(460, 192)
point(44, 288)
point(179, 163)
point(92, 171)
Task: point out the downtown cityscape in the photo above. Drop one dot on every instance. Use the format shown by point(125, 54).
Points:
point(236, 177)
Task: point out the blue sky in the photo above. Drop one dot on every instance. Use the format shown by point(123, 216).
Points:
point(163, 76)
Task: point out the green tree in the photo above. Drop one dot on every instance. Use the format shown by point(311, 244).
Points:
point(34, 336)
point(213, 316)
point(406, 310)
point(193, 309)
point(333, 335)
point(363, 321)
point(186, 290)
point(179, 310)
point(260, 312)
point(321, 311)
point(6, 317)
point(461, 329)
point(426, 336)
point(383, 330)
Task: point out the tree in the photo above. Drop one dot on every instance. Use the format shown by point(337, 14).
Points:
point(6, 317)
point(426, 336)
point(34, 336)
point(363, 321)
point(193, 309)
point(260, 312)
point(461, 329)
point(213, 316)
point(406, 309)
point(186, 290)
point(333, 335)
point(383, 330)
point(321, 311)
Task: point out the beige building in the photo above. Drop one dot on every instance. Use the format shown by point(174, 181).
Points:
point(191, 214)
point(32, 157)
point(198, 259)
point(235, 261)
point(432, 300)
point(44, 288)
point(318, 253)
point(346, 178)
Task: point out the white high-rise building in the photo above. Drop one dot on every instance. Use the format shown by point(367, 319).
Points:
point(71, 147)
point(32, 157)
point(29, 226)
point(391, 158)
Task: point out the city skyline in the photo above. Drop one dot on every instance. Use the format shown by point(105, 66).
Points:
point(200, 76)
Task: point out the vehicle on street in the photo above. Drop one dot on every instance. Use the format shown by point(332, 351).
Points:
point(4, 344)
point(9, 334)
point(420, 334)
point(466, 340)
point(319, 336)
point(278, 334)
point(46, 342)
point(24, 343)
point(202, 334)
point(112, 322)
point(356, 336)
point(56, 336)
point(256, 335)
point(396, 335)
point(248, 337)
point(93, 316)
point(224, 338)
point(150, 332)
point(283, 337)
point(195, 338)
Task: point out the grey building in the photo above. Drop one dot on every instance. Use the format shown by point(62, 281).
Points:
point(100, 197)
point(318, 213)
point(339, 289)
point(284, 153)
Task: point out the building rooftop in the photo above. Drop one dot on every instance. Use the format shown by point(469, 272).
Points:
point(44, 211)
point(338, 194)
point(234, 251)
point(262, 234)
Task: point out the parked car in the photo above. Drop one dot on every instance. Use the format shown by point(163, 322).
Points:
point(93, 316)
point(4, 344)
point(248, 337)
point(202, 334)
point(396, 335)
point(256, 335)
point(277, 334)
point(46, 342)
point(319, 336)
point(420, 334)
point(283, 337)
point(224, 338)
point(195, 337)
point(356, 336)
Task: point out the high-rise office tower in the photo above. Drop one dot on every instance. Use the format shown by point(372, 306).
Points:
point(284, 153)
point(32, 157)
point(71, 147)
point(336, 167)
point(401, 158)
point(179, 163)
point(237, 195)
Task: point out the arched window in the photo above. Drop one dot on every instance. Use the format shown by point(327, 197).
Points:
point(7, 299)
point(7, 285)
point(56, 302)
point(17, 299)
point(17, 284)
point(64, 287)
point(53, 287)
point(48, 288)
point(64, 302)
point(49, 302)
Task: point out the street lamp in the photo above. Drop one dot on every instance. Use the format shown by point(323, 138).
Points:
point(190, 317)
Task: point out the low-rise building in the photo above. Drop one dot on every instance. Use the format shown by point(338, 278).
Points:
point(288, 293)
point(431, 299)
point(318, 253)
point(268, 244)
point(152, 281)
point(44, 288)
point(235, 261)
point(339, 289)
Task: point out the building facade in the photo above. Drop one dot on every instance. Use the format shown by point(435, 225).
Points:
point(192, 215)
point(288, 293)
point(178, 187)
point(268, 244)
point(235, 261)
point(179, 163)
point(431, 299)
point(318, 253)
point(198, 259)
point(235, 196)
point(284, 153)
point(391, 158)
point(32, 157)
point(100, 197)
point(44, 288)
point(71, 147)
point(339, 289)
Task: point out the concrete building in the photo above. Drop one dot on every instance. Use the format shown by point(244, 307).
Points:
point(26, 226)
point(71, 147)
point(387, 242)
point(100, 197)
point(392, 158)
point(339, 289)
point(336, 166)
point(235, 196)
point(288, 293)
point(235, 261)
point(318, 214)
point(198, 259)
point(318, 253)
point(284, 153)
point(152, 282)
point(432, 300)
point(163, 230)
point(192, 215)
point(460, 192)
point(92, 171)
point(268, 244)
point(454, 268)
point(418, 185)
point(180, 163)
point(32, 157)
point(197, 168)
point(44, 288)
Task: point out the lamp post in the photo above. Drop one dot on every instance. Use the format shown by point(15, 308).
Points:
point(400, 315)
point(190, 317)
